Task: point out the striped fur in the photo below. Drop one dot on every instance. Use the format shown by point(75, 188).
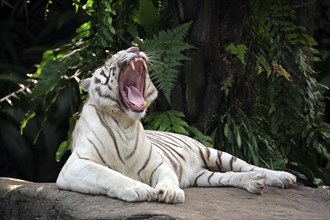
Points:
point(112, 154)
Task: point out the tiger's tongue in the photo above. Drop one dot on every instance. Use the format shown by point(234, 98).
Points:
point(134, 96)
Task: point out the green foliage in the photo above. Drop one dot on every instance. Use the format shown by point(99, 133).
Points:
point(167, 121)
point(52, 72)
point(173, 121)
point(238, 50)
point(281, 119)
point(242, 136)
point(165, 50)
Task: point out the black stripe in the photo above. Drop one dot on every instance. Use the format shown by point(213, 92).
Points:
point(112, 71)
point(107, 127)
point(219, 181)
point(219, 161)
point(232, 160)
point(97, 151)
point(84, 158)
point(136, 144)
point(152, 173)
point(208, 153)
point(103, 74)
point(208, 179)
point(107, 77)
point(203, 158)
point(146, 162)
point(195, 183)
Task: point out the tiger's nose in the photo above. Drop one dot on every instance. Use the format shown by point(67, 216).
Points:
point(133, 50)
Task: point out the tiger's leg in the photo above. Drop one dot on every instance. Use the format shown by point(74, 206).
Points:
point(167, 187)
point(223, 162)
point(251, 181)
point(83, 175)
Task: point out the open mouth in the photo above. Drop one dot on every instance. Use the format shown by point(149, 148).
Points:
point(131, 84)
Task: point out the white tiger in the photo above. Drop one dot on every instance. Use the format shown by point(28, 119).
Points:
point(113, 155)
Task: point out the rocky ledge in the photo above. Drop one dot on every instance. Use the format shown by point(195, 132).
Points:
point(27, 200)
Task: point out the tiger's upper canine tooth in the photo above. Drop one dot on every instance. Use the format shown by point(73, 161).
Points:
point(144, 64)
point(132, 65)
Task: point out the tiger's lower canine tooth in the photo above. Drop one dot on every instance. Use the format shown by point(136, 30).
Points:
point(132, 65)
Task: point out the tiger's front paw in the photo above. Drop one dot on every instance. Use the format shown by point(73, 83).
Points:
point(280, 179)
point(137, 193)
point(169, 193)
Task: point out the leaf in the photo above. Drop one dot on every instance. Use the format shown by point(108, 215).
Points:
point(263, 62)
point(47, 56)
point(83, 31)
point(27, 117)
point(311, 41)
point(226, 130)
point(64, 147)
point(238, 50)
point(227, 84)
point(238, 137)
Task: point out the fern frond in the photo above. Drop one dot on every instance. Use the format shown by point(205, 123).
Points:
point(166, 49)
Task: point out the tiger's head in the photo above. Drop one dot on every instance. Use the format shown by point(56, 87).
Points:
point(122, 84)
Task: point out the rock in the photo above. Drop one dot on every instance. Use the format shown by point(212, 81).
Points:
point(27, 200)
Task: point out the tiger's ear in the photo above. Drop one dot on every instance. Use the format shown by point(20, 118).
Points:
point(84, 83)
